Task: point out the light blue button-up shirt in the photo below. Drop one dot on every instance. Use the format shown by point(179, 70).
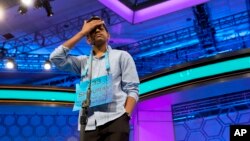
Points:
point(124, 75)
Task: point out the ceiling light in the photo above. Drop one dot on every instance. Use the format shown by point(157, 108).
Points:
point(47, 65)
point(22, 9)
point(27, 3)
point(10, 64)
point(48, 8)
point(38, 4)
point(1, 13)
point(24, 4)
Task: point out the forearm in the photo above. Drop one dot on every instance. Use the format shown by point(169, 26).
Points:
point(130, 104)
point(75, 39)
point(60, 58)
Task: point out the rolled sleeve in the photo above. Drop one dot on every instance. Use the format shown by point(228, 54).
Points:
point(134, 95)
point(62, 60)
point(130, 79)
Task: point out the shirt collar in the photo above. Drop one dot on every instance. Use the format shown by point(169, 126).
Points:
point(108, 49)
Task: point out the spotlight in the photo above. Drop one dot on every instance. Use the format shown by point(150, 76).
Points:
point(48, 8)
point(24, 4)
point(27, 3)
point(47, 65)
point(1, 13)
point(22, 9)
point(10, 64)
point(38, 4)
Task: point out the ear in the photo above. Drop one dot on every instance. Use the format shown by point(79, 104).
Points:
point(89, 40)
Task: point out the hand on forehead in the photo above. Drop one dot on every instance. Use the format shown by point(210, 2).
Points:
point(94, 19)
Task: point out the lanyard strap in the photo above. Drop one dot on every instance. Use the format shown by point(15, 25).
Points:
point(90, 61)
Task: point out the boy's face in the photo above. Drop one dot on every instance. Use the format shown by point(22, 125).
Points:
point(98, 36)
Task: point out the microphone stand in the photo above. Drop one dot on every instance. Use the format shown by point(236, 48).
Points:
point(85, 106)
point(84, 116)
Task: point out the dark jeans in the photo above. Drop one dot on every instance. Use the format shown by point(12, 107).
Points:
point(116, 130)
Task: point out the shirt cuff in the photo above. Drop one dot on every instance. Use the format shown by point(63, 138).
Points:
point(134, 95)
